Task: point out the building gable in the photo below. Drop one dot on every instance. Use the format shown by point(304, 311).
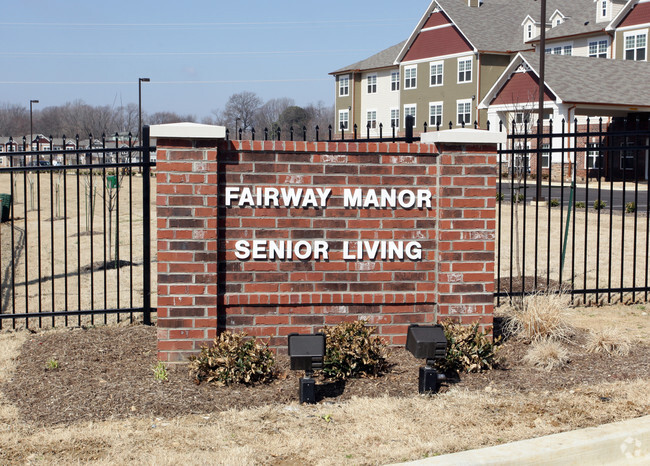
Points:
point(640, 14)
point(437, 18)
point(521, 88)
point(437, 42)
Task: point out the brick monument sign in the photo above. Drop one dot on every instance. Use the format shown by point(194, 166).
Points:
point(275, 237)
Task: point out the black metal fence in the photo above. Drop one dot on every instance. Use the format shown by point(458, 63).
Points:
point(75, 238)
point(371, 133)
point(589, 234)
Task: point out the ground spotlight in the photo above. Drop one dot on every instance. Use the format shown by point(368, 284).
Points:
point(427, 342)
point(307, 353)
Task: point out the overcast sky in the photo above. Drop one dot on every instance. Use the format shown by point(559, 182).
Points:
point(196, 52)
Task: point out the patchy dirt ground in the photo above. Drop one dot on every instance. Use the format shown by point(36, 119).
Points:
point(106, 373)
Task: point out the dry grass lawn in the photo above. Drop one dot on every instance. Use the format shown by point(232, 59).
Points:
point(359, 431)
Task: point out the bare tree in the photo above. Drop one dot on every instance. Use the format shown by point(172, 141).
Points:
point(161, 118)
point(268, 115)
point(14, 120)
point(241, 109)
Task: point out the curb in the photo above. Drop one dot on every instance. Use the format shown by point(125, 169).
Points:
point(625, 442)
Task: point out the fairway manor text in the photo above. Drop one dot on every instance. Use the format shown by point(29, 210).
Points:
point(276, 237)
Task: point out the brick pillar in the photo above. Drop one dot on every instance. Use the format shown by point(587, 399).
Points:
point(467, 178)
point(187, 246)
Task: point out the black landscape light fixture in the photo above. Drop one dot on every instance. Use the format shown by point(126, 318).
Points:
point(307, 353)
point(427, 342)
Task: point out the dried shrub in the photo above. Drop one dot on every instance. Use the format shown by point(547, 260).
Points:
point(539, 316)
point(468, 349)
point(610, 341)
point(233, 358)
point(353, 351)
point(547, 354)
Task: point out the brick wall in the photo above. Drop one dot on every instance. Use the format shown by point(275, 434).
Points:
point(203, 287)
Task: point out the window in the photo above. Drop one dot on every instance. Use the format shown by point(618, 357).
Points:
point(409, 110)
point(410, 77)
point(627, 156)
point(529, 31)
point(394, 117)
point(344, 85)
point(372, 84)
point(371, 119)
point(435, 114)
point(558, 22)
point(598, 49)
point(464, 113)
point(344, 119)
point(557, 50)
point(603, 9)
point(436, 73)
point(547, 51)
point(635, 44)
point(568, 49)
point(546, 156)
point(464, 70)
point(394, 81)
point(519, 118)
point(594, 157)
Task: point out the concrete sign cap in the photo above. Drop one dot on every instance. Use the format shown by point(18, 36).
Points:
point(187, 131)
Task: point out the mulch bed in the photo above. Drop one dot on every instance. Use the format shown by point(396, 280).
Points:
point(106, 373)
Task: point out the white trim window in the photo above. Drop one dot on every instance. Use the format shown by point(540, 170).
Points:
point(410, 77)
point(546, 156)
point(557, 50)
point(603, 9)
point(529, 31)
point(372, 84)
point(626, 161)
point(594, 159)
point(463, 112)
point(635, 45)
point(344, 119)
point(598, 49)
point(410, 110)
point(568, 50)
point(437, 69)
point(394, 117)
point(394, 81)
point(464, 70)
point(435, 114)
point(371, 119)
point(344, 85)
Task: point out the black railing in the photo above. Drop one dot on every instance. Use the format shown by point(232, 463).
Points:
point(589, 234)
point(373, 133)
point(75, 238)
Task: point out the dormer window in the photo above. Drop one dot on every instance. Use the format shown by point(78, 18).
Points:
point(529, 31)
point(603, 10)
point(558, 22)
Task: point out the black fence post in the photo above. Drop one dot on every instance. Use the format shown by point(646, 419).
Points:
point(410, 122)
point(146, 226)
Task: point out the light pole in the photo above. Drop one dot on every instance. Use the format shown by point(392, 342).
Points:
point(31, 124)
point(140, 81)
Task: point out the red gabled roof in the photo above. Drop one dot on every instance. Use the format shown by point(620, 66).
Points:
point(436, 19)
point(521, 88)
point(640, 14)
point(437, 42)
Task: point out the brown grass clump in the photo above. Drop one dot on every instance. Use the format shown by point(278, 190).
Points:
point(541, 316)
point(609, 340)
point(547, 354)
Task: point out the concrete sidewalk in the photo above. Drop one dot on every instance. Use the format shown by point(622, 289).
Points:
point(625, 442)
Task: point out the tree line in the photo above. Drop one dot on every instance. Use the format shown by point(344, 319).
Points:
point(244, 110)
